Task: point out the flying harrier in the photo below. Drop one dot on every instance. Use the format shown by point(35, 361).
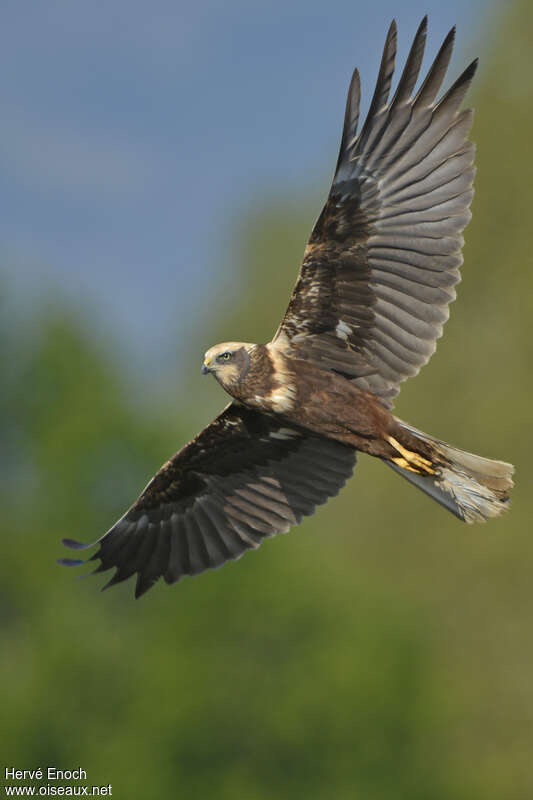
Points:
point(370, 301)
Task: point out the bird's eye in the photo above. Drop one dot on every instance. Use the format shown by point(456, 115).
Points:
point(224, 356)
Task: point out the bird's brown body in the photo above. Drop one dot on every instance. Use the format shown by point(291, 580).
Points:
point(372, 295)
point(318, 400)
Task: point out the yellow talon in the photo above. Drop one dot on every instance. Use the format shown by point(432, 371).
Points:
point(403, 463)
point(410, 460)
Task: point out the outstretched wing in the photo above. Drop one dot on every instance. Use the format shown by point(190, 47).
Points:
point(245, 477)
point(382, 261)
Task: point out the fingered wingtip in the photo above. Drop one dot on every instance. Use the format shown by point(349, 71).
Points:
point(118, 577)
point(450, 36)
point(73, 544)
point(142, 586)
point(71, 562)
point(472, 67)
point(423, 27)
point(356, 78)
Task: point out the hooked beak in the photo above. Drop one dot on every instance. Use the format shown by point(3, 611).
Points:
point(205, 369)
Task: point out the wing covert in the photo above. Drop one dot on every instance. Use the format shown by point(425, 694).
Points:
point(244, 478)
point(382, 261)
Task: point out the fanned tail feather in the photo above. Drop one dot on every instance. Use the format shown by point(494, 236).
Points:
point(470, 486)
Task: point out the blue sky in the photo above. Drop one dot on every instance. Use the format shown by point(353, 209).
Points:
point(134, 134)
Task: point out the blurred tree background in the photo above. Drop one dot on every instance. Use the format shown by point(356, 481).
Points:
point(381, 650)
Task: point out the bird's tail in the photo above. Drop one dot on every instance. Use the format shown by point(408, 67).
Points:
point(471, 487)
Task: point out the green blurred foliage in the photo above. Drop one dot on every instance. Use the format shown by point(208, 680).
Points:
point(381, 650)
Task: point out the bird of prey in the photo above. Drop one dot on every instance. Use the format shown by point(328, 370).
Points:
point(371, 298)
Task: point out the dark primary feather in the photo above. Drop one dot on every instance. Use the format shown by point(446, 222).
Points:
point(382, 261)
point(245, 477)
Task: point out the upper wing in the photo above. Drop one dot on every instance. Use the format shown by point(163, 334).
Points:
point(246, 476)
point(379, 269)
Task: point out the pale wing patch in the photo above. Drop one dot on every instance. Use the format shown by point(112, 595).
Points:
point(343, 330)
point(282, 399)
point(285, 434)
point(277, 356)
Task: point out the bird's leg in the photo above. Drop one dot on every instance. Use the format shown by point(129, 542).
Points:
point(409, 459)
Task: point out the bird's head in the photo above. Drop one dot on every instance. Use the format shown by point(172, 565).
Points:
point(228, 362)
